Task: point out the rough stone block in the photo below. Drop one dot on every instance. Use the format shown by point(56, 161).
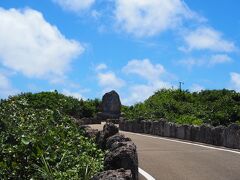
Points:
point(122, 155)
point(217, 135)
point(203, 133)
point(167, 129)
point(119, 174)
point(187, 132)
point(195, 133)
point(137, 127)
point(121, 125)
point(231, 136)
point(116, 138)
point(209, 135)
point(109, 129)
point(180, 132)
point(155, 128)
point(114, 121)
point(162, 123)
point(147, 127)
point(172, 130)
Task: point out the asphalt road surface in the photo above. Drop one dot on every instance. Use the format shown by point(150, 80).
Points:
point(171, 159)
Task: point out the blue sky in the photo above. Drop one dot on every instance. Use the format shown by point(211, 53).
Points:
point(84, 48)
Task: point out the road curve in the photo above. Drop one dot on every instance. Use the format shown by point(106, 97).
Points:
point(165, 159)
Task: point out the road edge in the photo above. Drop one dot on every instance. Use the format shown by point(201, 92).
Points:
point(145, 174)
point(189, 143)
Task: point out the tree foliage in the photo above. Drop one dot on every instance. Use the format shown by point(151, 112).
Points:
point(65, 104)
point(215, 107)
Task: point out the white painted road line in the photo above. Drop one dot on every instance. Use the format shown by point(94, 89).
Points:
point(145, 174)
point(189, 143)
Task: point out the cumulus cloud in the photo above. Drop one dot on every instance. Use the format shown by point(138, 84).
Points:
point(151, 17)
point(32, 46)
point(140, 92)
point(153, 73)
point(220, 59)
point(5, 83)
point(6, 88)
point(133, 92)
point(207, 38)
point(101, 67)
point(77, 95)
point(191, 62)
point(196, 88)
point(235, 81)
point(210, 61)
point(109, 81)
point(75, 5)
point(145, 69)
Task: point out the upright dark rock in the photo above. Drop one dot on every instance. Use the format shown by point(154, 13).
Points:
point(111, 103)
point(109, 129)
point(110, 107)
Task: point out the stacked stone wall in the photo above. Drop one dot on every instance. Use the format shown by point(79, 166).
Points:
point(218, 136)
point(121, 159)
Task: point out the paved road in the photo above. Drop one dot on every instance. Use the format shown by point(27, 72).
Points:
point(171, 160)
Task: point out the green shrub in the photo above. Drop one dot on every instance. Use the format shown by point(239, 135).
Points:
point(238, 122)
point(65, 104)
point(186, 119)
point(42, 143)
point(215, 107)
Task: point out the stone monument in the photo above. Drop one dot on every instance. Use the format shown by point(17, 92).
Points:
point(110, 106)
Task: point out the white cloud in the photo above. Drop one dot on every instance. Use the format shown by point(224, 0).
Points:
point(109, 81)
point(205, 61)
point(139, 93)
point(152, 73)
point(196, 88)
point(134, 93)
point(77, 95)
point(101, 67)
point(32, 46)
point(220, 59)
point(206, 38)
point(5, 83)
point(145, 69)
point(96, 14)
point(191, 62)
point(6, 88)
point(151, 17)
point(235, 80)
point(75, 5)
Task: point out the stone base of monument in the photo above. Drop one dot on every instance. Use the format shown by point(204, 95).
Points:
point(114, 121)
point(104, 116)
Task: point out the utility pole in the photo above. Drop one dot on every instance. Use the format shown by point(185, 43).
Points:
point(180, 85)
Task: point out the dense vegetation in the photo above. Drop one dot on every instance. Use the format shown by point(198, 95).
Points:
point(65, 104)
point(215, 107)
point(38, 139)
